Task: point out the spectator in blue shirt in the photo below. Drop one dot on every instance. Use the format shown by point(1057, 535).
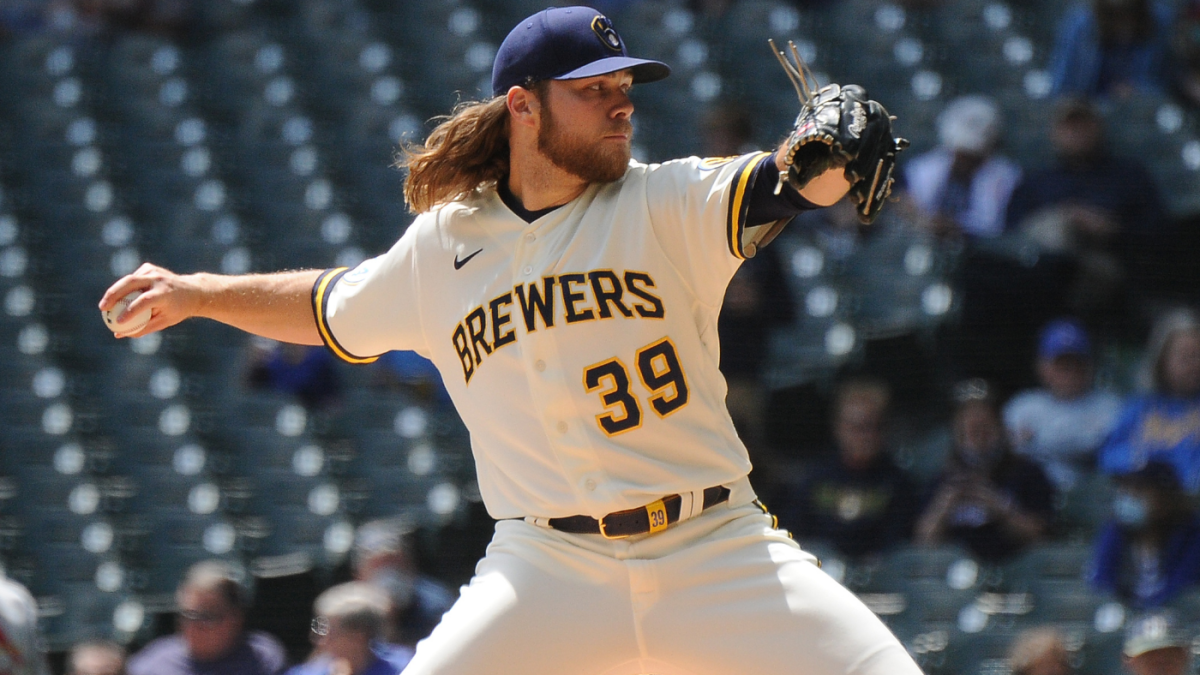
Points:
point(1149, 552)
point(1111, 48)
point(347, 629)
point(1062, 424)
point(308, 373)
point(411, 373)
point(1163, 423)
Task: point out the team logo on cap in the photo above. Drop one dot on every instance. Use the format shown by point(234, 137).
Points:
point(605, 31)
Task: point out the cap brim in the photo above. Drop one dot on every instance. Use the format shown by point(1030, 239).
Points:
point(1139, 648)
point(644, 70)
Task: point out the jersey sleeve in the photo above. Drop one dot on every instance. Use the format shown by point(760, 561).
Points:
point(373, 308)
point(698, 208)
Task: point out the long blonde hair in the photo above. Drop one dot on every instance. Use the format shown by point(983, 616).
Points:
point(467, 149)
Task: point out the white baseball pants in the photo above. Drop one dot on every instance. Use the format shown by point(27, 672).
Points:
point(721, 594)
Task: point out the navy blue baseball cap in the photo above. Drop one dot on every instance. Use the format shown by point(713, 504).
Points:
point(566, 43)
point(1064, 337)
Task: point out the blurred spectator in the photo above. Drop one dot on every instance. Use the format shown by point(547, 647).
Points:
point(349, 621)
point(710, 9)
point(1111, 48)
point(383, 556)
point(1155, 644)
point(1103, 211)
point(756, 302)
point(726, 130)
point(19, 17)
point(20, 643)
point(839, 230)
point(859, 501)
point(1062, 424)
point(963, 186)
point(1039, 651)
point(305, 372)
point(988, 498)
point(1149, 552)
point(96, 16)
point(212, 639)
point(412, 373)
point(1185, 55)
point(96, 657)
point(1164, 422)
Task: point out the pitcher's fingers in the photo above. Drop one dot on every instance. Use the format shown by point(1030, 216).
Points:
point(151, 299)
point(156, 323)
point(142, 278)
point(122, 287)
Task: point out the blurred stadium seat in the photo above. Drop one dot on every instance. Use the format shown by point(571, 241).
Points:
point(1047, 563)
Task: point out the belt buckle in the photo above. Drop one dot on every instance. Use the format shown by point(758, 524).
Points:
point(604, 532)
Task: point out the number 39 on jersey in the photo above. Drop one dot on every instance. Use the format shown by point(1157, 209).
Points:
point(661, 375)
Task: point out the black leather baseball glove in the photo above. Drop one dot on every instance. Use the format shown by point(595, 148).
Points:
point(841, 126)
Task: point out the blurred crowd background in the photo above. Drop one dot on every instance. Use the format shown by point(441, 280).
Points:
point(982, 412)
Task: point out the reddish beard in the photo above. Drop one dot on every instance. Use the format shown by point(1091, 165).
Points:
point(596, 162)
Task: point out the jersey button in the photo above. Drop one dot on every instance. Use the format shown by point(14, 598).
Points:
point(590, 485)
point(562, 427)
point(528, 270)
point(530, 237)
point(539, 365)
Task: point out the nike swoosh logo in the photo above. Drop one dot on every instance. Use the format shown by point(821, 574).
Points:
point(459, 263)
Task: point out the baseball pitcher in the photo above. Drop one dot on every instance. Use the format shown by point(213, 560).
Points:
point(569, 298)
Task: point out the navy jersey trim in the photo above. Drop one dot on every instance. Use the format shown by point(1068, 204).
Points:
point(739, 203)
point(320, 303)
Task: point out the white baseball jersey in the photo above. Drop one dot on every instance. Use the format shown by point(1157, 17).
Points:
point(581, 349)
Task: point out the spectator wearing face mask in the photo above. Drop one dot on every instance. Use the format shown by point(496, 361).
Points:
point(383, 556)
point(1163, 423)
point(1149, 552)
point(988, 498)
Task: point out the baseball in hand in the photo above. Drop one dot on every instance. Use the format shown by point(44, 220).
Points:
point(131, 324)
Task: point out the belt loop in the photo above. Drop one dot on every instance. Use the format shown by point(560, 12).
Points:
point(540, 522)
point(687, 504)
